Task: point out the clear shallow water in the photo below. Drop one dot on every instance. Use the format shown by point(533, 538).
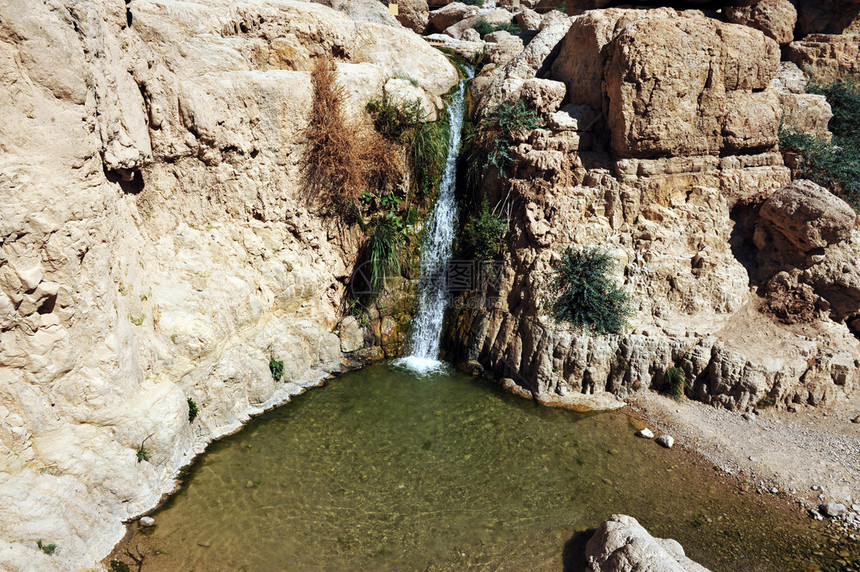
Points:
point(385, 470)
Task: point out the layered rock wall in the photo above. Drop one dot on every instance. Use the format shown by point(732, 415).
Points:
point(156, 243)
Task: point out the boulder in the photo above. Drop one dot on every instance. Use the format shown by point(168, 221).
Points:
point(826, 58)
point(501, 47)
point(449, 15)
point(543, 95)
point(528, 20)
point(413, 14)
point(809, 216)
point(621, 544)
point(362, 10)
point(832, 509)
point(493, 17)
point(776, 18)
point(706, 100)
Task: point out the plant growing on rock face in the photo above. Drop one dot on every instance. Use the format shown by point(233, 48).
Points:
point(383, 245)
point(834, 164)
point(586, 295)
point(276, 367)
point(676, 383)
point(485, 233)
point(499, 130)
point(483, 27)
point(192, 410)
point(46, 548)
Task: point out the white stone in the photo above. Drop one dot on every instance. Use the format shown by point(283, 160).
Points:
point(666, 441)
point(645, 433)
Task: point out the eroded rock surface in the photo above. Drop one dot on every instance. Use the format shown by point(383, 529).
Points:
point(155, 243)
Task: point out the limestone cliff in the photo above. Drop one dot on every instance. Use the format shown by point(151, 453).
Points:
point(154, 243)
point(660, 146)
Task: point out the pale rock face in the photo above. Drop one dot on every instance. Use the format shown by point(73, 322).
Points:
point(155, 244)
point(801, 112)
point(776, 18)
point(621, 544)
point(491, 17)
point(809, 216)
point(502, 47)
point(543, 95)
point(528, 20)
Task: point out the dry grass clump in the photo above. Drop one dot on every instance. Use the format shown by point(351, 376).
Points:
point(344, 157)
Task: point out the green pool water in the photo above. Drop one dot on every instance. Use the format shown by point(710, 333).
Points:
point(384, 470)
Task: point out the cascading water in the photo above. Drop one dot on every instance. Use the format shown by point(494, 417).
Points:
point(436, 251)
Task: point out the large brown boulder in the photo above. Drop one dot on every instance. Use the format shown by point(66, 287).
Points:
point(776, 18)
point(673, 84)
point(809, 216)
point(413, 14)
point(449, 15)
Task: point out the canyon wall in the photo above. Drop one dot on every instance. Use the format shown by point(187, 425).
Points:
point(660, 147)
point(156, 243)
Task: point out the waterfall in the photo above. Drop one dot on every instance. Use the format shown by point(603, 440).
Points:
point(436, 251)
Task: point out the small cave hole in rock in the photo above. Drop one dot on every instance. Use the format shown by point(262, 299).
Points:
point(131, 182)
point(746, 219)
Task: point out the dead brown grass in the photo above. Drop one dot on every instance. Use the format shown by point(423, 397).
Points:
point(344, 157)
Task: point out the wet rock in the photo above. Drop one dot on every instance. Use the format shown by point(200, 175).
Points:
point(146, 521)
point(645, 433)
point(621, 544)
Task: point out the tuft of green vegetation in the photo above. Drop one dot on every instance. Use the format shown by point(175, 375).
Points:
point(119, 566)
point(586, 295)
point(428, 153)
point(277, 368)
point(46, 548)
point(473, 2)
point(766, 401)
point(485, 233)
point(395, 121)
point(192, 410)
point(499, 129)
point(676, 383)
point(833, 164)
point(483, 27)
point(384, 243)
point(142, 454)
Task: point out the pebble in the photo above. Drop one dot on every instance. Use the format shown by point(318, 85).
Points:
point(832, 509)
point(774, 490)
point(856, 419)
point(147, 521)
point(748, 416)
point(753, 459)
point(645, 433)
point(666, 441)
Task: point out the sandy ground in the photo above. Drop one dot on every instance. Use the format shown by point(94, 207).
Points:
point(812, 455)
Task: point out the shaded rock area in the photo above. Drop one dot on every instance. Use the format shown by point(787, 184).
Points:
point(156, 245)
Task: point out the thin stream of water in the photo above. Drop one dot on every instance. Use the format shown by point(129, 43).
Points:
point(436, 251)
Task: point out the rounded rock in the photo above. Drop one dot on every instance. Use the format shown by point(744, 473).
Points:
point(666, 441)
point(147, 521)
point(645, 433)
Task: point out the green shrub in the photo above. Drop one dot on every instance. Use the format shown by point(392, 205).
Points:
point(392, 120)
point(46, 548)
point(473, 2)
point(586, 295)
point(277, 368)
point(834, 164)
point(192, 410)
point(384, 243)
point(483, 27)
point(428, 153)
point(485, 233)
point(497, 132)
point(142, 454)
point(119, 566)
point(675, 383)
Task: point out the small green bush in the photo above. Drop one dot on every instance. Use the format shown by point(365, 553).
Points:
point(46, 548)
point(483, 27)
point(676, 383)
point(586, 295)
point(834, 164)
point(192, 410)
point(384, 243)
point(428, 153)
point(392, 120)
point(499, 129)
point(473, 2)
point(119, 566)
point(142, 454)
point(277, 368)
point(485, 233)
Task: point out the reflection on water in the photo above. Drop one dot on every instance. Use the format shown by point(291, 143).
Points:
point(385, 470)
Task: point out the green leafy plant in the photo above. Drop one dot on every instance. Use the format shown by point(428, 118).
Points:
point(586, 295)
point(395, 120)
point(142, 454)
point(277, 368)
point(428, 153)
point(192, 410)
point(383, 245)
point(834, 164)
point(473, 2)
point(499, 129)
point(46, 548)
point(485, 233)
point(483, 27)
point(675, 383)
